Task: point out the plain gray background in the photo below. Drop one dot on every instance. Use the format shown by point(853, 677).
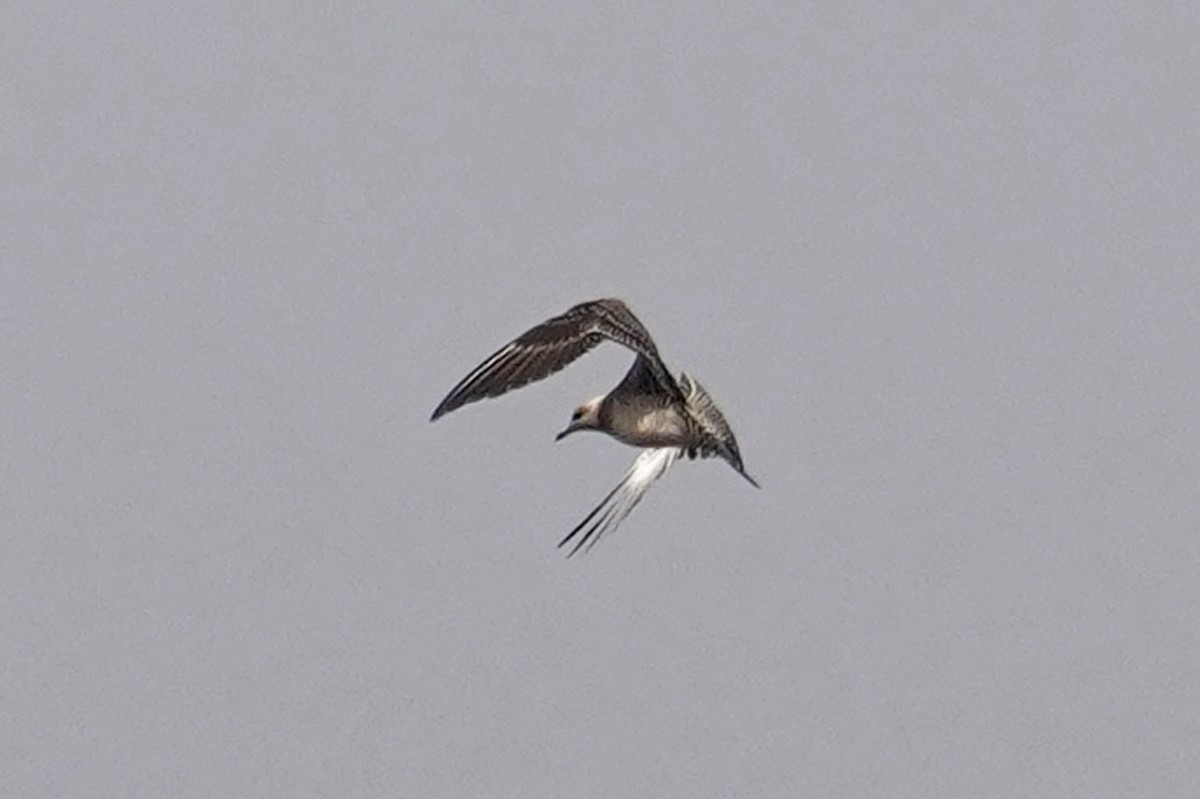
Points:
point(937, 262)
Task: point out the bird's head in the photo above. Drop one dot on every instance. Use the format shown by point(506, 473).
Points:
point(585, 417)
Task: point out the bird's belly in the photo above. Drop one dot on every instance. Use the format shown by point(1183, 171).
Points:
point(657, 428)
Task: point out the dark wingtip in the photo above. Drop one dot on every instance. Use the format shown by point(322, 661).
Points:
point(735, 460)
point(444, 407)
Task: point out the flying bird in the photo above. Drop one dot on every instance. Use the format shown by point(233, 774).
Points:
point(650, 408)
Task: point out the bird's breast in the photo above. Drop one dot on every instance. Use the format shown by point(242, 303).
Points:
point(649, 426)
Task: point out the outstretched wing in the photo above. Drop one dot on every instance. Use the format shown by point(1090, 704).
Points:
point(716, 436)
point(650, 465)
point(547, 348)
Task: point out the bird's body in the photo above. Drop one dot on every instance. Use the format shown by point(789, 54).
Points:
point(649, 408)
point(641, 423)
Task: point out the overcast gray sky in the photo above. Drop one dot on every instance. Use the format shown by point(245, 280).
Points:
point(938, 264)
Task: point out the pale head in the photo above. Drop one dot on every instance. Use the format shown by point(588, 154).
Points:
point(585, 417)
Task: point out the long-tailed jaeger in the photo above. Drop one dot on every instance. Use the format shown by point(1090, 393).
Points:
point(649, 408)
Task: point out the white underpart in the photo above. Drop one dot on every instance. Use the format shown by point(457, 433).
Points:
point(650, 465)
